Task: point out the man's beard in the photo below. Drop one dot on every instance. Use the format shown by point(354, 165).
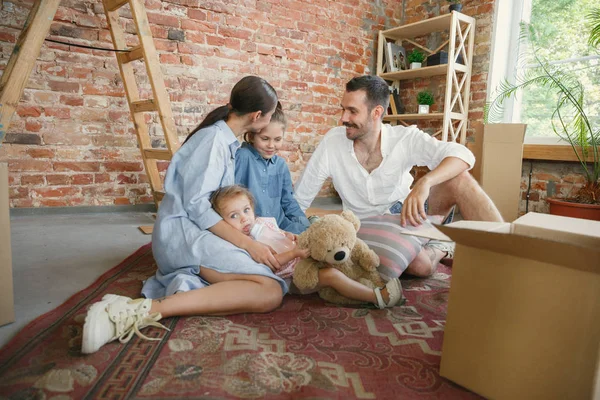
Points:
point(359, 132)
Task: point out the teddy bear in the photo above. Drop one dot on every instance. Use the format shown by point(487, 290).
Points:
point(332, 242)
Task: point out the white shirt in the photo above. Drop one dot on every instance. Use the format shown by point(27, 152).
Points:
point(370, 194)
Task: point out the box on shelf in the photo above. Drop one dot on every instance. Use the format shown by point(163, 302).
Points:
point(7, 309)
point(441, 57)
point(498, 150)
point(523, 312)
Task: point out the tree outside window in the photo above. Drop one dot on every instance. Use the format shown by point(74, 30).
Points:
point(562, 38)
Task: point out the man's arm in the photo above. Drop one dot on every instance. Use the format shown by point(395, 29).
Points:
point(414, 204)
point(313, 177)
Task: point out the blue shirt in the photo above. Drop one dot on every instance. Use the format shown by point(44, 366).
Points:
point(270, 183)
point(181, 241)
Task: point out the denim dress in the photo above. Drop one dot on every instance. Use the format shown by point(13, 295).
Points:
point(181, 241)
point(270, 183)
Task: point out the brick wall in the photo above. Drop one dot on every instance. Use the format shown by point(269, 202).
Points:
point(71, 141)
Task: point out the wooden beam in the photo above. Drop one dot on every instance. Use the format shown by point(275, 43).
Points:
point(23, 58)
point(552, 152)
point(546, 152)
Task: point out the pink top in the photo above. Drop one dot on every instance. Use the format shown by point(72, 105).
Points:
point(286, 270)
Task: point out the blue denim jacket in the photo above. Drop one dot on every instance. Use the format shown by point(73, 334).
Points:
point(270, 183)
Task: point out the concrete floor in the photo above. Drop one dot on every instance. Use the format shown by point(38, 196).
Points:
point(55, 256)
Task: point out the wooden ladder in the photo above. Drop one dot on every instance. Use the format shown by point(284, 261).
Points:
point(28, 47)
point(159, 103)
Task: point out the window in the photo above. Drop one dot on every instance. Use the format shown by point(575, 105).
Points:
point(562, 39)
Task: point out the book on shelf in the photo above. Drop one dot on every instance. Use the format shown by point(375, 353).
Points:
point(395, 57)
point(396, 107)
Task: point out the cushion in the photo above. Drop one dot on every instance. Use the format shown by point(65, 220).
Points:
point(396, 250)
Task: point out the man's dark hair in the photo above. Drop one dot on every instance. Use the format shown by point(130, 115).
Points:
point(377, 90)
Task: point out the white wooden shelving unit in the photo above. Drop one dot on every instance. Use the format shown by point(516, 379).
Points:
point(461, 35)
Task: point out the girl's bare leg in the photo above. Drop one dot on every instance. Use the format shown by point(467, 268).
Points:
point(227, 294)
point(333, 278)
point(426, 262)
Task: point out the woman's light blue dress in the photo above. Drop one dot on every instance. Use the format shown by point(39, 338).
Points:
point(181, 242)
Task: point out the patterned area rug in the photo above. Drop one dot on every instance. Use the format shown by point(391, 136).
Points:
point(305, 349)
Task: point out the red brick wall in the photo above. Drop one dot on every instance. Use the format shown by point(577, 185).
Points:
point(71, 141)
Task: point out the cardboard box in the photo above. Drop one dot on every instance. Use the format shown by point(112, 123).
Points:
point(498, 152)
point(7, 305)
point(524, 308)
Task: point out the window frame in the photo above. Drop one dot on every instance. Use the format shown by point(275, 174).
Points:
point(509, 14)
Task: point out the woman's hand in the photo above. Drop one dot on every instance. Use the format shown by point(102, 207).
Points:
point(291, 236)
point(261, 253)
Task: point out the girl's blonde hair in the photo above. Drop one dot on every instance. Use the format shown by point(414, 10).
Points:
point(277, 117)
point(222, 194)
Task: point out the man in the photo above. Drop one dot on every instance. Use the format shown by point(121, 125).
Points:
point(370, 162)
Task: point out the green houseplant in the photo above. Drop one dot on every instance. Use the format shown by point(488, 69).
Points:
point(570, 117)
point(424, 99)
point(415, 58)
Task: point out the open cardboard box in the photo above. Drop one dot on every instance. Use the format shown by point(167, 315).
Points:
point(7, 309)
point(524, 308)
point(498, 150)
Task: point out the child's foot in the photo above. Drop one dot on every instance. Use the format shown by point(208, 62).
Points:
point(390, 295)
point(117, 317)
point(446, 248)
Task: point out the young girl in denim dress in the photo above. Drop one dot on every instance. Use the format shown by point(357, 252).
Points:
point(267, 176)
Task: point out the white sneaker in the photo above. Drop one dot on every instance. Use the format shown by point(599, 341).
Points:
point(117, 317)
point(447, 247)
point(394, 288)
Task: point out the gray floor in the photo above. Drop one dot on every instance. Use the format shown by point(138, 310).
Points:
point(55, 256)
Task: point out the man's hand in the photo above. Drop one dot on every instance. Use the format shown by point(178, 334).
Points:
point(261, 253)
point(413, 208)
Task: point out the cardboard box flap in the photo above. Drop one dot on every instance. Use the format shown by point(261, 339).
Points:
point(577, 231)
point(565, 254)
point(434, 233)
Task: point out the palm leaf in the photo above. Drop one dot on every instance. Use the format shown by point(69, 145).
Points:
point(569, 119)
point(594, 19)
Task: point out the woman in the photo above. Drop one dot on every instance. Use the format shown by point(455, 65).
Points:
point(205, 267)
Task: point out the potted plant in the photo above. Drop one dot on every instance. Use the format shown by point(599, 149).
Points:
point(570, 119)
point(415, 58)
point(424, 99)
point(455, 5)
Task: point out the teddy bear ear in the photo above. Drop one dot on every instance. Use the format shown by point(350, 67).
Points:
point(349, 216)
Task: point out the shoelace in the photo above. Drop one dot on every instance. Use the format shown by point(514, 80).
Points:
point(130, 324)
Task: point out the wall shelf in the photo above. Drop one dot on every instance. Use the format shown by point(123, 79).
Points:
point(461, 38)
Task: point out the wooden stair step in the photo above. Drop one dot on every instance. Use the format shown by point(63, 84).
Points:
point(143, 106)
point(158, 154)
point(135, 53)
point(112, 5)
point(158, 196)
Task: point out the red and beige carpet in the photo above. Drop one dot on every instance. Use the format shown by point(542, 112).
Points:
point(305, 349)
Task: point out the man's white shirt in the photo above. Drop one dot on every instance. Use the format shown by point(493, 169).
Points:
point(369, 194)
